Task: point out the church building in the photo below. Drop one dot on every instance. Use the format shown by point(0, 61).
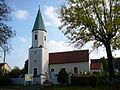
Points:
point(40, 62)
point(73, 61)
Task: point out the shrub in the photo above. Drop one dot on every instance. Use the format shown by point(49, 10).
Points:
point(84, 80)
point(5, 80)
point(62, 76)
point(93, 81)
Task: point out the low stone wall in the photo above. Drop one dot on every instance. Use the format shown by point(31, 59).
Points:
point(21, 81)
point(18, 81)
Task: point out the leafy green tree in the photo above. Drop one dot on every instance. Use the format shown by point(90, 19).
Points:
point(6, 32)
point(62, 76)
point(16, 72)
point(4, 78)
point(1, 72)
point(96, 21)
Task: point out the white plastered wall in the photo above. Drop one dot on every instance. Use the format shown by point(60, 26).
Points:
point(38, 58)
point(82, 67)
point(41, 36)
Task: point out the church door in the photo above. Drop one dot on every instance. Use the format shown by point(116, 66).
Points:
point(35, 71)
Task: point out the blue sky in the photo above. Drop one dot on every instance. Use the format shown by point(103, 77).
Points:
point(23, 18)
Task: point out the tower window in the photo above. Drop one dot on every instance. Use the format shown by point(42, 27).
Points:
point(45, 38)
point(35, 71)
point(35, 37)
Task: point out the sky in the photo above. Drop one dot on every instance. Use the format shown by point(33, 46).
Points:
point(23, 18)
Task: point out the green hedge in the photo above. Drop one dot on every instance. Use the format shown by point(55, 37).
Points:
point(80, 81)
point(92, 80)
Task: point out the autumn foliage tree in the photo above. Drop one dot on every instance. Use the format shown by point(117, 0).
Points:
point(96, 21)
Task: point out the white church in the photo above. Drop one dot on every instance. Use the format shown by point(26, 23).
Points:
point(40, 62)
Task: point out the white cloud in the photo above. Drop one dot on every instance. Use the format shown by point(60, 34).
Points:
point(51, 15)
point(97, 54)
point(22, 39)
point(48, 23)
point(102, 53)
point(116, 53)
point(54, 46)
point(21, 14)
point(61, 46)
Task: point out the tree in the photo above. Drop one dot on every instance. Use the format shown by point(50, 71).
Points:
point(6, 49)
point(6, 32)
point(4, 78)
point(62, 76)
point(104, 64)
point(17, 72)
point(96, 21)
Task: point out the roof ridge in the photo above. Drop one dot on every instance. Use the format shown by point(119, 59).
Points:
point(70, 51)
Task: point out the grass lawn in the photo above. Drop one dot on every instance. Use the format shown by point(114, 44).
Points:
point(100, 87)
point(11, 87)
point(58, 87)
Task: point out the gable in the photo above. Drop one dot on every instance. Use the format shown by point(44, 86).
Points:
point(69, 57)
point(7, 67)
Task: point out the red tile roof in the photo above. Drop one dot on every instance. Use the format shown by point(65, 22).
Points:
point(95, 66)
point(69, 57)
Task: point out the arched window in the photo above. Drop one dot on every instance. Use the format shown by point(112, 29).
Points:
point(52, 70)
point(75, 70)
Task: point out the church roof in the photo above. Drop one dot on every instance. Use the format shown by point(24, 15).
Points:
point(2, 64)
point(95, 66)
point(39, 24)
point(69, 57)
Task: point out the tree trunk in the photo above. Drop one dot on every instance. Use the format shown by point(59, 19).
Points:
point(4, 56)
point(110, 60)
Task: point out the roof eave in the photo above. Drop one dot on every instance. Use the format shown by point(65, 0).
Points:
point(38, 29)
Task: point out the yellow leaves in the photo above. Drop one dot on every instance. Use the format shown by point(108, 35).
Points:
point(97, 44)
point(116, 42)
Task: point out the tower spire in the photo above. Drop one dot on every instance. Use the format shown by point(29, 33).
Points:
point(39, 24)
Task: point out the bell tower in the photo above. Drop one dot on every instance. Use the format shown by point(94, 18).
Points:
point(38, 53)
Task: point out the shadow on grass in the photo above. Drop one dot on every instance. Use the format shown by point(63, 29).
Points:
point(11, 87)
point(100, 87)
point(61, 87)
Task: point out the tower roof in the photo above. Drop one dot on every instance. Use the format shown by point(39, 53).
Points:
point(39, 24)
